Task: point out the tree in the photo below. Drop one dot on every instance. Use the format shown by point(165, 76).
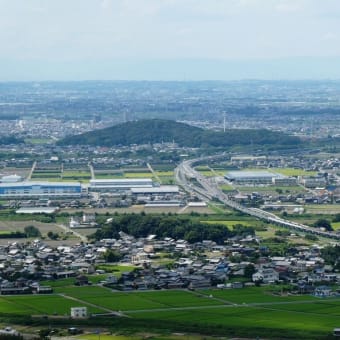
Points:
point(311, 237)
point(112, 256)
point(331, 255)
point(336, 218)
point(323, 223)
point(249, 270)
point(32, 231)
point(52, 235)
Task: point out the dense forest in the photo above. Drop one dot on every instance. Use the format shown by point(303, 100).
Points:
point(158, 131)
point(168, 226)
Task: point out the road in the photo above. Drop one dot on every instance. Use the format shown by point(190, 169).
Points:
point(69, 230)
point(92, 171)
point(267, 305)
point(153, 172)
point(195, 183)
point(31, 171)
point(107, 310)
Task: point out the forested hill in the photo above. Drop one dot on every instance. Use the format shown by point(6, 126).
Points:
point(158, 130)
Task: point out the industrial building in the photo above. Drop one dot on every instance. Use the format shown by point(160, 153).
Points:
point(285, 181)
point(161, 190)
point(113, 185)
point(252, 177)
point(313, 181)
point(40, 189)
point(160, 193)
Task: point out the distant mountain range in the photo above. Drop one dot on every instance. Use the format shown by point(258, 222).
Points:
point(159, 130)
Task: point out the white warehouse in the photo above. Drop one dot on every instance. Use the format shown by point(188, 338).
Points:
point(112, 185)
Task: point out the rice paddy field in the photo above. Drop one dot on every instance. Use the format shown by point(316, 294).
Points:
point(270, 189)
point(232, 223)
point(292, 172)
point(41, 304)
point(253, 310)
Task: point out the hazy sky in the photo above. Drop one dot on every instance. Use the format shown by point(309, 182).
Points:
point(85, 38)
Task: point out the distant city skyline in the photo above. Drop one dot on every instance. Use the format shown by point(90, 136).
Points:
point(169, 39)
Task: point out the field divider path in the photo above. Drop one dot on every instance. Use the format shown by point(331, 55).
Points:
point(212, 297)
point(32, 170)
point(69, 230)
point(288, 310)
point(263, 305)
point(93, 176)
point(153, 172)
point(92, 304)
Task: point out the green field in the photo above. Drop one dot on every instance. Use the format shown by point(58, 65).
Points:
point(291, 172)
point(336, 225)
point(138, 175)
point(76, 175)
point(263, 294)
point(226, 187)
point(109, 175)
point(230, 223)
point(269, 321)
point(40, 304)
point(270, 189)
point(164, 173)
point(136, 300)
point(206, 173)
point(245, 312)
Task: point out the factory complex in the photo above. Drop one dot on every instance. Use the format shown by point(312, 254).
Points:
point(136, 187)
point(252, 177)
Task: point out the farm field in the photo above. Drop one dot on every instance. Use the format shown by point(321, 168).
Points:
point(322, 208)
point(236, 311)
point(254, 295)
point(230, 223)
point(19, 225)
point(336, 225)
point(76, 175)
point(125, 301)
point(270, 189)
point(226, 187)
point(41, 304)
point(206, 173)
point(269, 321)
point(23, 172)
point(291, 172)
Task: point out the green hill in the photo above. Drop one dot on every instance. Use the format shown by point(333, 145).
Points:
point(158, 130)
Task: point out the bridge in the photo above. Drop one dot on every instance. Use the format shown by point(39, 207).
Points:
point(195, 183)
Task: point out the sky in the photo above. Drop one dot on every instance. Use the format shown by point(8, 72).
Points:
point(169, 39)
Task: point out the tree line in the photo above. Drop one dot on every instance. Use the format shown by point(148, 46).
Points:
point(175, 227)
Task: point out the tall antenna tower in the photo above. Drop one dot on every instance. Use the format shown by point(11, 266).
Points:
point(224, 120)
point(125, 115)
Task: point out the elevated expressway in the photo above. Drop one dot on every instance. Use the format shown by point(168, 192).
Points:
point(195, 183)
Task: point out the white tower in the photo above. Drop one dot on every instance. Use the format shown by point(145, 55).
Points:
point(224, 120)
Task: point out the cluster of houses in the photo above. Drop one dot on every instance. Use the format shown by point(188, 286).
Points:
point(199, 265)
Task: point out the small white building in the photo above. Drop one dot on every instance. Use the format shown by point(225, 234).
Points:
point(78, 312)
